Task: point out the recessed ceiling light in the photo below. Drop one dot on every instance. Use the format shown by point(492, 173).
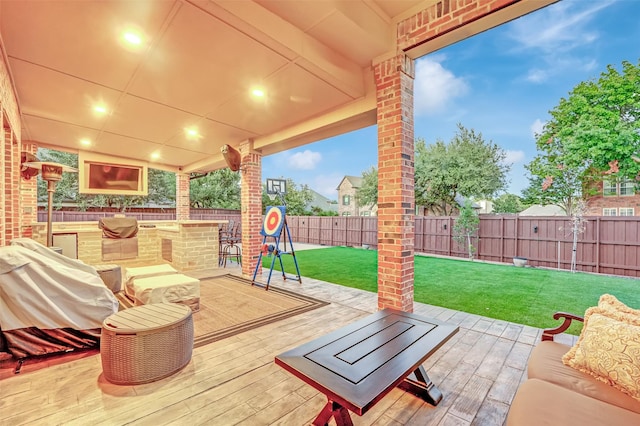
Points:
point(100, 109)
point(257, 92)
point(155, 156)
point(132, 38)
point(191, 133)
point(85, 142)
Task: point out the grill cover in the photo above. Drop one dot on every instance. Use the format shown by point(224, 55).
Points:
point(119, 227)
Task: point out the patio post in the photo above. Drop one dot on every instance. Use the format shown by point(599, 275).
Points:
point(28, 195)
point(250, 206)
point(396, 228)
point(183, 205)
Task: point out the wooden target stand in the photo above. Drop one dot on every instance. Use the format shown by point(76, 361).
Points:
point(273, 227)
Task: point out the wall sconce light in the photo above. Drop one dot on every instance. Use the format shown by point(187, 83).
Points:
point(535, 229)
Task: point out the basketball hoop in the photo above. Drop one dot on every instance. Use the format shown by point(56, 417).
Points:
point(275, 188)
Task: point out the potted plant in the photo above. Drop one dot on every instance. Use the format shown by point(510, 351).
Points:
point(520, 262)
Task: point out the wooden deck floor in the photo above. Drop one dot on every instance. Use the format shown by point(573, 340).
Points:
point(235, 381)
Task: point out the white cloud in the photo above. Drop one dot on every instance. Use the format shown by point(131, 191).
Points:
point(559, 27)
point(435, 86)
point(305, 160)
point(536, 128)
point(513, 156)
point(537, 75)
point(554, 33)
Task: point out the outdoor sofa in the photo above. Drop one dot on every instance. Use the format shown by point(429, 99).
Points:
point(595, 382)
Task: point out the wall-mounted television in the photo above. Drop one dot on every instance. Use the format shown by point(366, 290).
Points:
point(101, 174)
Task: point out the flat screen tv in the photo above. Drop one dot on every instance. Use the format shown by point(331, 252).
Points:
point(100, 174)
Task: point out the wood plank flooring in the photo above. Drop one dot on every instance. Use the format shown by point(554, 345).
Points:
point(235, 381)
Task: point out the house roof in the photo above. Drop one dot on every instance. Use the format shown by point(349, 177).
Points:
point(322, 202)
point(355, 181)
point(461, 200)
point(195, 66)
point(539, 210)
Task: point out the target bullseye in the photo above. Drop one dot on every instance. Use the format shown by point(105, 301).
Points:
point(273, 222)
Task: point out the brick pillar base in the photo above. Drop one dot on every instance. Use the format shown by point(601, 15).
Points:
point(251, 207)
point(396, 197)
point(183, 204)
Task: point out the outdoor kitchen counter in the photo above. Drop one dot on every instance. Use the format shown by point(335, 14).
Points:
point(188, 245)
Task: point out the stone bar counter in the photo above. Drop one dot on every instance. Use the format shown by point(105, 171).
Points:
point(187, 245)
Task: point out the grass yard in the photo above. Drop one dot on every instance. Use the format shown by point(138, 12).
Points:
point(522, 295)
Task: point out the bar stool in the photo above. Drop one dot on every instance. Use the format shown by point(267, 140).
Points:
point(229, 246)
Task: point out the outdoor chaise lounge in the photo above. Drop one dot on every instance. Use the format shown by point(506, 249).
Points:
point(595, 382)
point(47, 306)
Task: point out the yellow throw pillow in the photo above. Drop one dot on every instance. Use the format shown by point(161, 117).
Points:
point(609, 346)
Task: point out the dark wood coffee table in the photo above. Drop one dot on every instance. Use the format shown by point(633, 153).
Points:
point(357, 365)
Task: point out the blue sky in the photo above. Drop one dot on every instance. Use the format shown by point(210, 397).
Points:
point(501, 83)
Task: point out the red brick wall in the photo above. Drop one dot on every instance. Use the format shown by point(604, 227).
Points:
point(394, 85)
point(251, 210)
point(442, 17)
point(10, 157)
point(182, 196)
point(597, 203)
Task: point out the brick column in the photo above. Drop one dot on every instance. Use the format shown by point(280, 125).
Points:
point(10, 142)
point(396, 197)
point(28, 197)
point(11, 180)
point(183, 205)
point(251, 207)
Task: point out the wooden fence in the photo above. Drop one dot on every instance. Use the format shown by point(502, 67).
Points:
point(608, 245)
point(138, 213)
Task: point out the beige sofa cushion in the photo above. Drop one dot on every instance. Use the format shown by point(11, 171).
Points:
point(609, 346)
point(542, 403)
point(546, 364)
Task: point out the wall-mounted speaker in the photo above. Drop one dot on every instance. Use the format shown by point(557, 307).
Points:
point(232, 157)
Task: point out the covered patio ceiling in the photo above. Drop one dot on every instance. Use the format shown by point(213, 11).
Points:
point(195, 67)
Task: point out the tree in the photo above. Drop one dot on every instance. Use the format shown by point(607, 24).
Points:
point(217, 189)
point(161, 186)
point(466, 226)
point(317, 211)
point(67, 187)
point(466, 166)
point(367, 194)
point(551, 183)
point(592, 133)
point(295, 199)
point(508, 203)
point(578, 226)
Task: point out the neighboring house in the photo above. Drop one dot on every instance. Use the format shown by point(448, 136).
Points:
point(616, 197)
point(539, 210)
point(486, 206)
point(347, 204)
point(321, 202)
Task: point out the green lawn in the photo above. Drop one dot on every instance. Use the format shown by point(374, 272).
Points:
point(521, 295)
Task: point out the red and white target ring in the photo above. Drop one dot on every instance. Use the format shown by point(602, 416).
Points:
point(272, 221)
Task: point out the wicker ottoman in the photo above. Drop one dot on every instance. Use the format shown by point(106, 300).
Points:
point(146, 343)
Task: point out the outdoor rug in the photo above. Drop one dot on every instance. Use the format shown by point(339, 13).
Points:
point(230, 305)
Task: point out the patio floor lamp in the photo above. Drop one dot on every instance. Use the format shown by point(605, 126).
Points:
point(52, 173)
